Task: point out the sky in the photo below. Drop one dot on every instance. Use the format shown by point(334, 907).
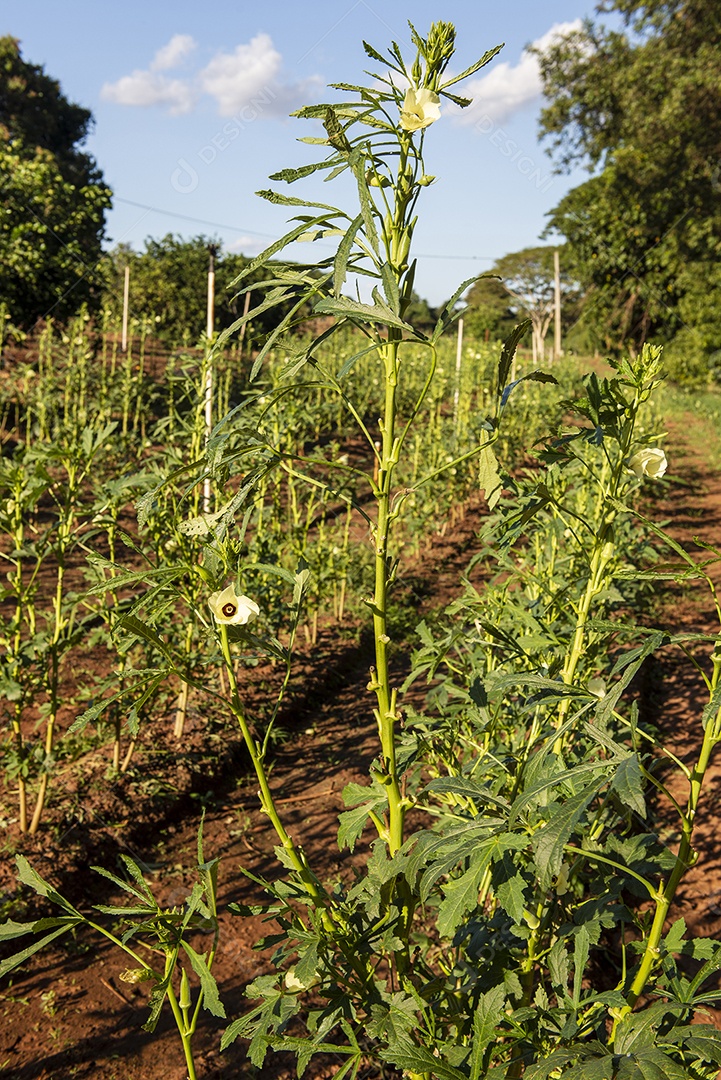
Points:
point(191, 105)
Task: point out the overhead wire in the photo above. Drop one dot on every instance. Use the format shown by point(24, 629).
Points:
point(273, 236)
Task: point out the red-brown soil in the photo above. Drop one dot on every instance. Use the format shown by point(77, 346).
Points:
point(675, 688)
point(68, 1014)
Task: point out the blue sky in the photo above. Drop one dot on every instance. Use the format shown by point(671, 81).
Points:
point(191, 105)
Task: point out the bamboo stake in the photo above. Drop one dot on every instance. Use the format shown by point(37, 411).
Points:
point(557, 350)
point(457, 391)
point(210, 324)
point(126, 304)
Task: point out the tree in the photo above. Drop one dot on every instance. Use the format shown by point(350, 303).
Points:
point(488, 312)
point(420, 314)
point(641, 108)
point(525, 291)
point(168, 284)
point(53, 195)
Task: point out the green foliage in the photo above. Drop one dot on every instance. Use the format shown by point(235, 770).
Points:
point(643, 234)
point(53, 195)
point(488, 310)
point(169, 287)
point(144, 924)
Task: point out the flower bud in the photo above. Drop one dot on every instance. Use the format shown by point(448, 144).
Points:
point(295, 984)
point(184, 1000)
point(135, 975)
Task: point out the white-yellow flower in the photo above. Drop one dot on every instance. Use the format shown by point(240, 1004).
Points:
point(232, 610)
point(648, 462)
point(420, 108)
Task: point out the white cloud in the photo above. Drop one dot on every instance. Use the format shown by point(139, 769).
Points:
point(249, 75)
point(170, 55)
point(234, 78)
point(144, 88)
point(247, 245)
point(507, 88)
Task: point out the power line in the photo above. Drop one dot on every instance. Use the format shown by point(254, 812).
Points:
point(273, 236)
point(198, 221)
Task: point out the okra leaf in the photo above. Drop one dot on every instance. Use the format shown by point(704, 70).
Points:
point(449, 314)
point(157, 997)
point(581, 950)
point(485, 59)
point(344, 307)
point(340, 263)
point(30, 877)
point(509, 886)
point(351, 824)
point(628, 784)
point(208, 985)
point(486, 1019)
point(404, 1054)
point(11, 962)
point(490, 481)
point(532, 376)
point(508, 352)
point(549, 842)
point(703, 1040)
point(460, 896)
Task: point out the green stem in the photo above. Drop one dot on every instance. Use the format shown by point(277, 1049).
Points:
point(54, 680)
point(295, 856)
point(685, 858)
point(599, 561)
point(386, 714)
point(185, 1035)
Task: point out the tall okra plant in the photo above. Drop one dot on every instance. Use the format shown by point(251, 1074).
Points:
point(378, 137)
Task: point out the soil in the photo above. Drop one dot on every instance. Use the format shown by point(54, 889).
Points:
point(676, 689)
point(69, 1014)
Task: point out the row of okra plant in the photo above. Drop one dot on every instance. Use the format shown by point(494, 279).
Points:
point(518, 926)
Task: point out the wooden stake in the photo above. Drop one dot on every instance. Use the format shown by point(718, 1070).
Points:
point(557, 350)
point(126, 302)
point(457, 391)
point(209, 328)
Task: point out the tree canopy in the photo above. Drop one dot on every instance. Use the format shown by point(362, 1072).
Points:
point(522, 287)
point(641, 107)
point(53, 195)
point(168, 284)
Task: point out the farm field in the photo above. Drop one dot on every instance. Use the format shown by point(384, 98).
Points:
point(360, 673)
point(70, 1012)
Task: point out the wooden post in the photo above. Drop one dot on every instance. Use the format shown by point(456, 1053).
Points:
point(244, 327)
point(209, 328)
point(126, 301)
point(457, 391)
point(557, 350)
